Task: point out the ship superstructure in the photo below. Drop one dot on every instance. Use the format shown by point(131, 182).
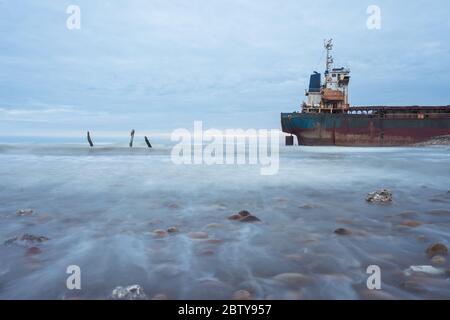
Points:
point(326, 118)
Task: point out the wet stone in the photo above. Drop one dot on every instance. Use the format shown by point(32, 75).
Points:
point(244, 216)
point(198, 235)
point(172, 230)
point(25, 212)
point(440, 213)
point(159, 233)
point(342, 232)
point(438, 260)
point(26, 239)
point(244, 213)
point(380, 196)
point(241, 295)
point(250, 218)
point(292, 278)
point(133, 292)
point(234, 217)
point(437, 249)
point(411, 223)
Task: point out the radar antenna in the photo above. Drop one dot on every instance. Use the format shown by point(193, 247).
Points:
point(329, 46)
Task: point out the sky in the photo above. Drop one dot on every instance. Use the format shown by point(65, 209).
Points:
point(156, 66)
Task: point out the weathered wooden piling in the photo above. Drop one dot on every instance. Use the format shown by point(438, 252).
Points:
point(89, 139)
point(147, 142)
point(132, 138)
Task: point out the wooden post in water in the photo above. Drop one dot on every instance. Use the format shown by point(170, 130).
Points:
point(89, 139)
point(147, 142)
point(132, 137)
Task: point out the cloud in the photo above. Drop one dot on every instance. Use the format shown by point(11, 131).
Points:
point(230, 63)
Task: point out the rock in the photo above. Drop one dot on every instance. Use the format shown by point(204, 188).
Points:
point(33, 251)
point(159, 296)
point(292, 278)
point(342, 232)
point(244, 213)
point(173, 206)
point(250, 219)
point(306, 206)
point(26, 239)
point(437, 249)
point(159, 233)
point(25, 212)
point(172, 230)
point(423, 269)
point(411, 223)
point(134, 292)
point(198, 235)
point(241, 295)
point(439, 213)
point(382, 196)
point(438, 260)
point(244, 216)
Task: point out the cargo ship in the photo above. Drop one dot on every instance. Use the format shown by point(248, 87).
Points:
point(327, 119)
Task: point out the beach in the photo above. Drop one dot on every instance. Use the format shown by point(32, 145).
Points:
point(131, 216)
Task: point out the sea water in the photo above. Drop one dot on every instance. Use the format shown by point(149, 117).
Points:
point(99, 209)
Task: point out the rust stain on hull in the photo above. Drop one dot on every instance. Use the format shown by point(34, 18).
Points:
point(384, 129)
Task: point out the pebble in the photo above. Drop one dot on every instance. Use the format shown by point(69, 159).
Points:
point(242, 295)
point(437, 249)
point(439, 212)
point(160, 233)
point(250, 219)
point(198, 235)
point(438, 260)
point(381, 196)
point(133, 292)
point(27, 239)
point(411, 223)
point(172, 230)
point(423, 269)
point(25, 212)
point(244, 213)
point(342, 232)
point(292, 278)
point(244, 216)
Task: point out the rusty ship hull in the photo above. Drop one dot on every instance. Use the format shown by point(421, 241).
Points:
point(368, 126)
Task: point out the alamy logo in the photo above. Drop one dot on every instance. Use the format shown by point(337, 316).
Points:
point(374, 280)
point(74, 20)
point(74, 280)
point(229, 147)
point(374, 20)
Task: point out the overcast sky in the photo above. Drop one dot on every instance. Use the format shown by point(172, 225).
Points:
point(160, 65)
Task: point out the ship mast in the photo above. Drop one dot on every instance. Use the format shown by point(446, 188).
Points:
point(329, 62)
